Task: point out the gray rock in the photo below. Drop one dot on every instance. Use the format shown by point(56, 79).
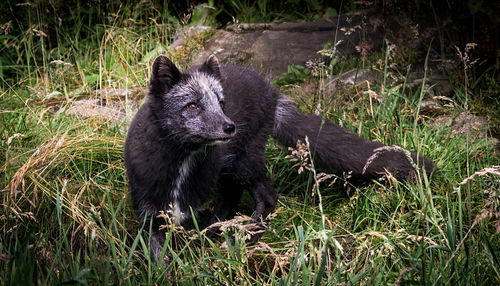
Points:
point(436, 84)
point(432, 106)
point(271, 47)
point(477, 126)
point(121, 93)
point(441, 85)
point(437, 89)
point(183, 33)
point(109, 110)
point(357, 76)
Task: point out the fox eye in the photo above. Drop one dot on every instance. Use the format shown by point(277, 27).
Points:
point(192, 106)
point(221, 104)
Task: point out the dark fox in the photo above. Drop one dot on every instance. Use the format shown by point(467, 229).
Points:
point(205, 130)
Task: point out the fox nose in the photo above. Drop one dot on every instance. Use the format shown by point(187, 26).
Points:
point(229, 128)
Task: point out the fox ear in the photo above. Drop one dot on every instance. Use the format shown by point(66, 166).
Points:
point(211, 66)
point(164, 75)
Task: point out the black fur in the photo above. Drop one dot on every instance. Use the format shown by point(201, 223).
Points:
point(340, 150)
point(160, 141)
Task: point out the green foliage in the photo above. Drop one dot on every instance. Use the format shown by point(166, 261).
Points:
point(205, 15)
point(65, 213)
point(294, 74)
point(246, 11)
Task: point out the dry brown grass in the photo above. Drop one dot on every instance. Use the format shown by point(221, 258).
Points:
point(52, 175)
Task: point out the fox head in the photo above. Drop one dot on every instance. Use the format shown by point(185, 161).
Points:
point(189, 105)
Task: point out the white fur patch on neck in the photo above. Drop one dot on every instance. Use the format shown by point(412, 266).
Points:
point(178, 215)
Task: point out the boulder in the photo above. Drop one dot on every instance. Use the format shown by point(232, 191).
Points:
point(271, 47)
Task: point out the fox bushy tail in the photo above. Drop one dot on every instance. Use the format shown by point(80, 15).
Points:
point(340, 150)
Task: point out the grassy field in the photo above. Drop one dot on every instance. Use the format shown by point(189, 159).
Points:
point(66, 216)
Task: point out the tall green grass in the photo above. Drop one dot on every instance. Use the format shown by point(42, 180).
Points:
point(66, 216)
